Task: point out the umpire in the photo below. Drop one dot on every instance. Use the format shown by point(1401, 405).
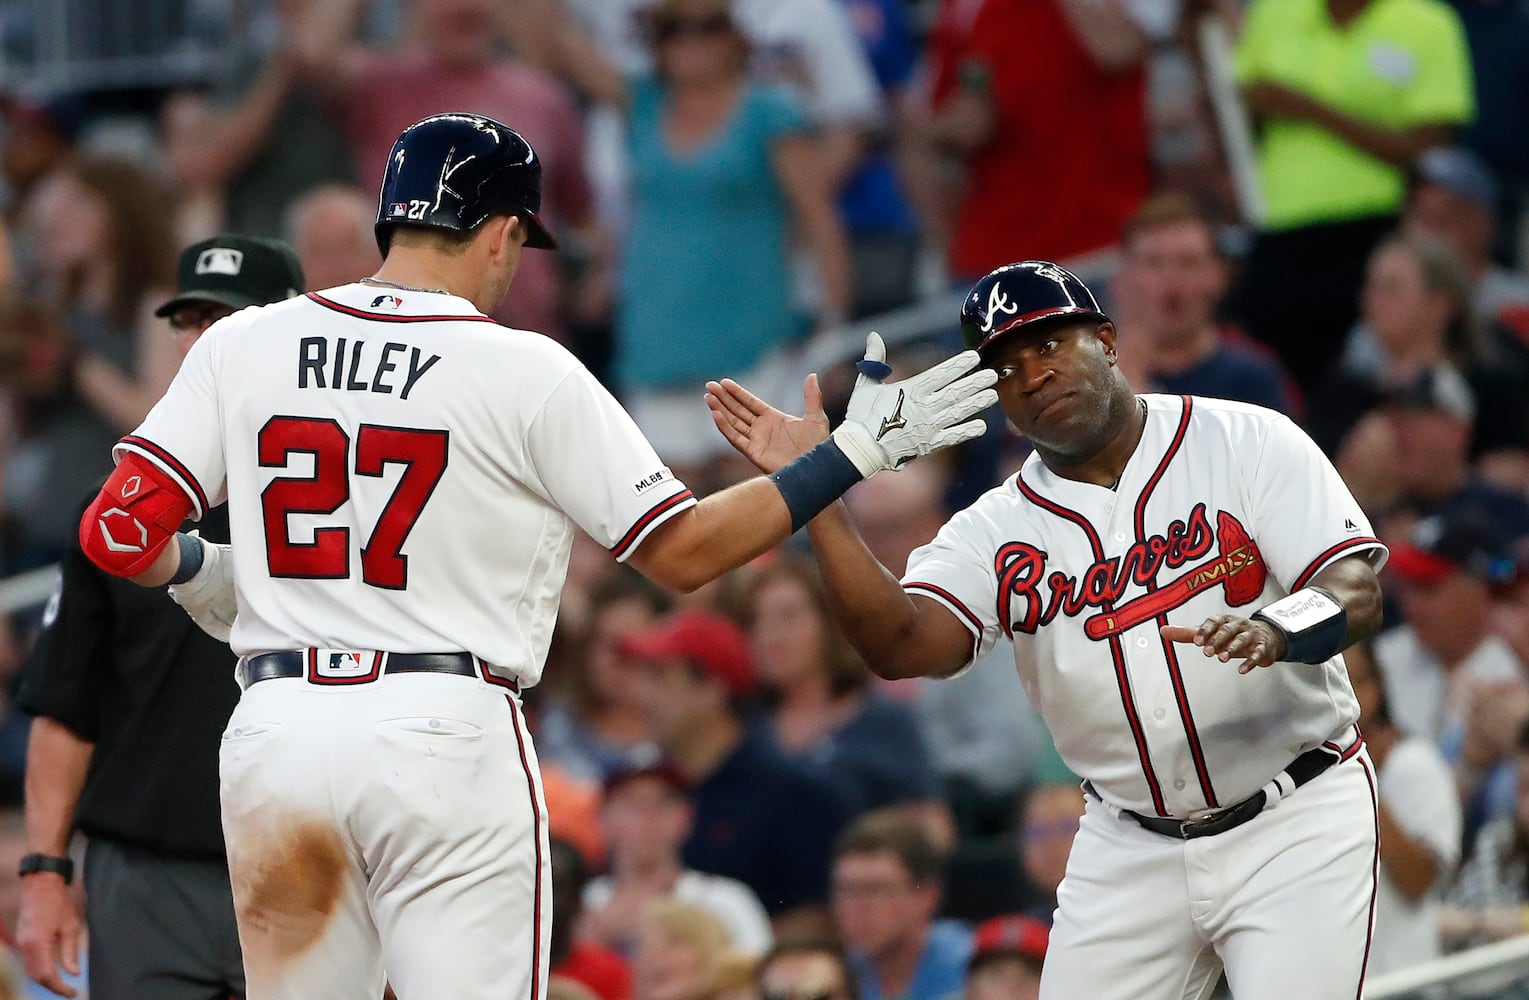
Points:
point(130, 699)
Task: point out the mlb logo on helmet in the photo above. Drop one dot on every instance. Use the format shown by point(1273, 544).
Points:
point(398, 209)
point(219, 260)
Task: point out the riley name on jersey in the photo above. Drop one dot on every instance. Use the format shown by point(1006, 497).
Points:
point(346, 364)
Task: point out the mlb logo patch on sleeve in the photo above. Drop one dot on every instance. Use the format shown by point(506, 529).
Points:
point(651, 480)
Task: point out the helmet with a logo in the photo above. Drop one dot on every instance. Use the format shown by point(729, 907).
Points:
point(1017, 295)
point(454, 171)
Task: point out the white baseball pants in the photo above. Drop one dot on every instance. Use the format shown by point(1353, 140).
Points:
point(1285, 902)
point(395, 827)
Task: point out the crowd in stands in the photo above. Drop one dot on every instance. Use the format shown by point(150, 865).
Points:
point(740, 809)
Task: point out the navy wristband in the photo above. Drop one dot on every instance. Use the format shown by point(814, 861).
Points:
point(1312, 621)
point(192, 555)
point(814, 481)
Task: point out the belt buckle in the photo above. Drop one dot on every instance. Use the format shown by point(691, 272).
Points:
point(343, 666)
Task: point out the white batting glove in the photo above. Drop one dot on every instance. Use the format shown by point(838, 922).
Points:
point(208, 597)
point(887, 425)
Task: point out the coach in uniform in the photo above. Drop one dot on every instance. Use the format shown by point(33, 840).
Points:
point(1179, 576)
point(129, 699)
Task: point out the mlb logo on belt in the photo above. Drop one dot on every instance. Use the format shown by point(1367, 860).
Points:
point(343, 666)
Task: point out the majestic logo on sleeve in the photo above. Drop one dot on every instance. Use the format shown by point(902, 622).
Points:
point(1030, 597)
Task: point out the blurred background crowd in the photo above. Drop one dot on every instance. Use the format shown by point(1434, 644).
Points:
point(1313, 205)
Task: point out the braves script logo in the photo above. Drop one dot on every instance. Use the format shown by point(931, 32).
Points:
point(1030, 597)
point(896, 421)
point(997, 304)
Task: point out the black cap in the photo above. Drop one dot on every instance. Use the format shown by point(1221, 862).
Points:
point(1463, 538)
point(235, 271)
point(1442, 389)
point(454, 171)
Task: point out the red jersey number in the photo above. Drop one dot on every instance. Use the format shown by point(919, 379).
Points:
point(422, 453)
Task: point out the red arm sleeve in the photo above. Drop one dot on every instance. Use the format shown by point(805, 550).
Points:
point(136, 513)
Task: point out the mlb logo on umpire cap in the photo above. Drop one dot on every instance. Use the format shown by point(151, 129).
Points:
point(220, 260)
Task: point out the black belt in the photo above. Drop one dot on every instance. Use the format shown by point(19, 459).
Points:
point(1305, 767)
point(297, 663)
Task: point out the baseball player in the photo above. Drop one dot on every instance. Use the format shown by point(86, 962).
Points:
point(404, 478)
point(1179, 576)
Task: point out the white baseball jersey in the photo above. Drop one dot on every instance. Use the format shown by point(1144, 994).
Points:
point(1223, 508)
point(403, 473)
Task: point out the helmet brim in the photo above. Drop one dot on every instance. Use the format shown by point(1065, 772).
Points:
point(1040, 317)
point(538, 237)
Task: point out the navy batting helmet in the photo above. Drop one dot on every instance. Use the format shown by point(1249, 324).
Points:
point(1016, 295)
point(453, 171)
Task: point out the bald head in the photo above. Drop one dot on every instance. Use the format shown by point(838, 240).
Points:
point(331, 230)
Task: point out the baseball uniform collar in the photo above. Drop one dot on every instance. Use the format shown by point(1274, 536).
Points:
point(1149, 454)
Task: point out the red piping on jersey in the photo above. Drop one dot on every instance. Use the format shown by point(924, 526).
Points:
point(1323, 559)
point(1369, 937)
point(662, 507)
point(1122, 679)
point(972, 622)
point(1343, 754)
point(383, 318)
point(536, 814)
point(174, 465)
point(1175, 675)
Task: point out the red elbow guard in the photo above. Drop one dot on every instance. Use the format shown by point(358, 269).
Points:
point(133, 517)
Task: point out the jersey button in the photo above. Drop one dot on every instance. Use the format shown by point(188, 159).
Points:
point(1120, 536)
point(1179, 784)
point(1143, 642)
point(1159, 714)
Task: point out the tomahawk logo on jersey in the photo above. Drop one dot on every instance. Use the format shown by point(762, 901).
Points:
point(1095, 570)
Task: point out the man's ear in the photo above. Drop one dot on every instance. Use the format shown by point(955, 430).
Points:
point(1106, 335)
point(502, 230)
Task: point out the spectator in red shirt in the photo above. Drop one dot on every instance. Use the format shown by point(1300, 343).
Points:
point(1044, 101)
point(453, 63)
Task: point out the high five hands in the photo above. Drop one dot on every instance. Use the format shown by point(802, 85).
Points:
point(887, 424)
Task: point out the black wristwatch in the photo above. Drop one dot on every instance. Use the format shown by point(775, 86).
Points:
point(31, 864)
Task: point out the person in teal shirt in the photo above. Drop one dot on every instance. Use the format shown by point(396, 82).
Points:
point(722, 175)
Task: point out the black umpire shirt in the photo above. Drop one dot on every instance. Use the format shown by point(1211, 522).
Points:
point(126, 669)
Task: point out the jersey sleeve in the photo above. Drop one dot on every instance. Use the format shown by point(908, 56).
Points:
point(182, 434)
point(595, 464)
point(1304, 516)
point(952, 571)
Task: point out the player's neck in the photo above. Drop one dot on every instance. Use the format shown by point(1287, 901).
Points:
point(427, 272)
point(1104, 465)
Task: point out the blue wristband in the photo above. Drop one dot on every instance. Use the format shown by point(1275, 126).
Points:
point(1312, 621)
point(192, 554)
point(814, 481)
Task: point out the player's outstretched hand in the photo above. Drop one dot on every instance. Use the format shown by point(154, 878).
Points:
point(761, 433)
point(889, 424)
point(1230, 637)
point(48, 932)
point(208, 597)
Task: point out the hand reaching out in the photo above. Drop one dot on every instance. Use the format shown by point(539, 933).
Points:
point(761, 433)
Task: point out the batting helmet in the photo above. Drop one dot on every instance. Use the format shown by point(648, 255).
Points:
point(453, 171)
point(1016, 295)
